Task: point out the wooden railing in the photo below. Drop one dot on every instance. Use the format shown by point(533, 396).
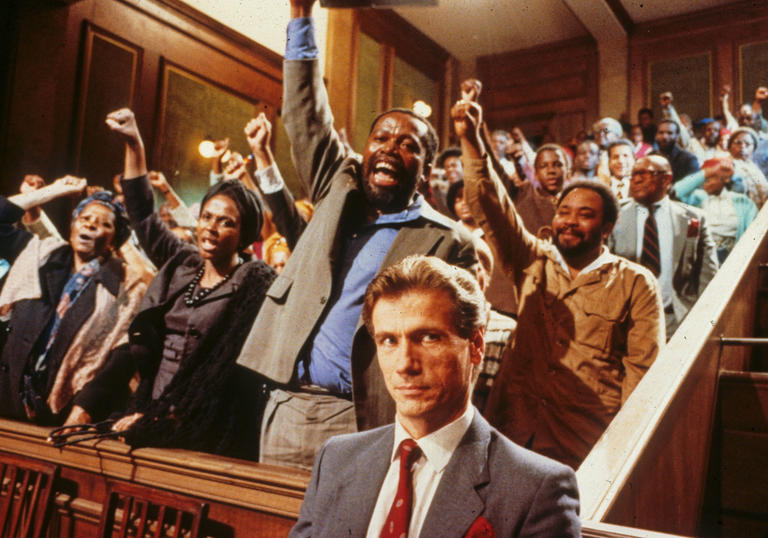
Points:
point(246, 499)
point(649, 469)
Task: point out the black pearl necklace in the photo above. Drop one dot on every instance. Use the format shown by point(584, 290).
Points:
point(191, 299)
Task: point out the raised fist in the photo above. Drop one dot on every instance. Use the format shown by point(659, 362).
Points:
point(123, 122)
point(467, 117)
point(157, 180)
point(470, 89)
point(258, 132)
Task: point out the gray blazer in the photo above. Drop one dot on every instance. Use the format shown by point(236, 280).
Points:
point(518, 492)
point(693, 250)
point(298, 297)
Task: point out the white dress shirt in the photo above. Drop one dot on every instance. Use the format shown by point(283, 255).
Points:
point(721, 214)
point(663, 215)
point(620, 187)
point(604, 257)
point(436, 451)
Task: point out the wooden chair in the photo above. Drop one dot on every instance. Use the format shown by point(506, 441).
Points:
point(147, 512)
point(26, 492)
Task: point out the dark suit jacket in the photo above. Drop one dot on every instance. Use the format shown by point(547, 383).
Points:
point(693, 251)
point(299, 296)
point(683, 162)
point(518, 492)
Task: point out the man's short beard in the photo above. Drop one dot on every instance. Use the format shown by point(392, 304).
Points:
point(390, 200)
point(588, 244)
point(667, 149)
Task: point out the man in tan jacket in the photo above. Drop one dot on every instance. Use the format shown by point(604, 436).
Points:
point(590, 323)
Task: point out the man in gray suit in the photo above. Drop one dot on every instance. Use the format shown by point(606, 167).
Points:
point(441, 469)
point(681, 252)
point(308, 338)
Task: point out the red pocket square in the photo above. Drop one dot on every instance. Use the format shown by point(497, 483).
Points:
point(693, 227)
point(481, 528)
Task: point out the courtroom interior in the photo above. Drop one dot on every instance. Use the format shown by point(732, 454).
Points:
point(199, 197)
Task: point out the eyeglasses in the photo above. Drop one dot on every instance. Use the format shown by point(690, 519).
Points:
point(647, 174)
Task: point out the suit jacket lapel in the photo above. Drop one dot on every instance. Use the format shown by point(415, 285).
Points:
point(411, 240)
point(679, 233)
point(359, 485)
point(624, 235)
point(458, 501)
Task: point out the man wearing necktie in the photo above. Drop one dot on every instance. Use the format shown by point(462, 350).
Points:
point(441, 469)
point(670, 238)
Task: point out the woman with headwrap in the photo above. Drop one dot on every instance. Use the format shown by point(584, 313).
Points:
point(191, 324)
point(741, 145)
point(65, 305)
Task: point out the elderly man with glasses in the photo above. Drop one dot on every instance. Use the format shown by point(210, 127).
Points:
point(670, 238)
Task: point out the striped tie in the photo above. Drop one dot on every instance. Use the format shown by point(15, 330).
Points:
point(650, 256)
point(396, 525)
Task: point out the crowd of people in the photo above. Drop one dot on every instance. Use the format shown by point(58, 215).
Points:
point(539, 284)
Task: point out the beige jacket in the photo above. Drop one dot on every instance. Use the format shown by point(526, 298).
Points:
point(582, 344)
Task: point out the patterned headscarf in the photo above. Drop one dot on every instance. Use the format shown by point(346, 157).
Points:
point(107, 199)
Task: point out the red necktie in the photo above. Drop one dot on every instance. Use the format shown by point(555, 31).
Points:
point(400, 514)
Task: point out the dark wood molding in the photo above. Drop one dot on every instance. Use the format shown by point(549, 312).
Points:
point(189, 21)
point(540, 53)
point(543, 87)
point(621, 15)
point(387, 27)
point(745, 11)
point(91, 32)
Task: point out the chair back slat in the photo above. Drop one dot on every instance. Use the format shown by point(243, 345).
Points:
point(39, 479)
point(160, 519)
point(147, 512)
point(177, 525)
point(26, 495)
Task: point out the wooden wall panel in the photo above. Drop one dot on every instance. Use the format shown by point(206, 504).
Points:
point(109, 80)
point(61, 83)
point(368, 88)
point(409, 85)
point(718, 32)
point(363, 49)
point(753, 68)
point(546, 90)
point(192, 109)
point(689, 78)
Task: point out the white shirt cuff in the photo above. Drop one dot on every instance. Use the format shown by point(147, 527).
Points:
point(270, 181)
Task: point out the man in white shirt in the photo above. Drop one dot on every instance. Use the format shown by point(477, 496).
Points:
point(441, 469)
point(682, 254)
point(621, 159)
point(607, 131)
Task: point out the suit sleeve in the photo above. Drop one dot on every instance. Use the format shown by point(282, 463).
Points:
point(513, 246)
point(555, 507)
point(315, 146)
point(307, 514)
point(12, 238)
point(646, 332)
point(692, 165)
point(154, 236)
point(286, 217)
